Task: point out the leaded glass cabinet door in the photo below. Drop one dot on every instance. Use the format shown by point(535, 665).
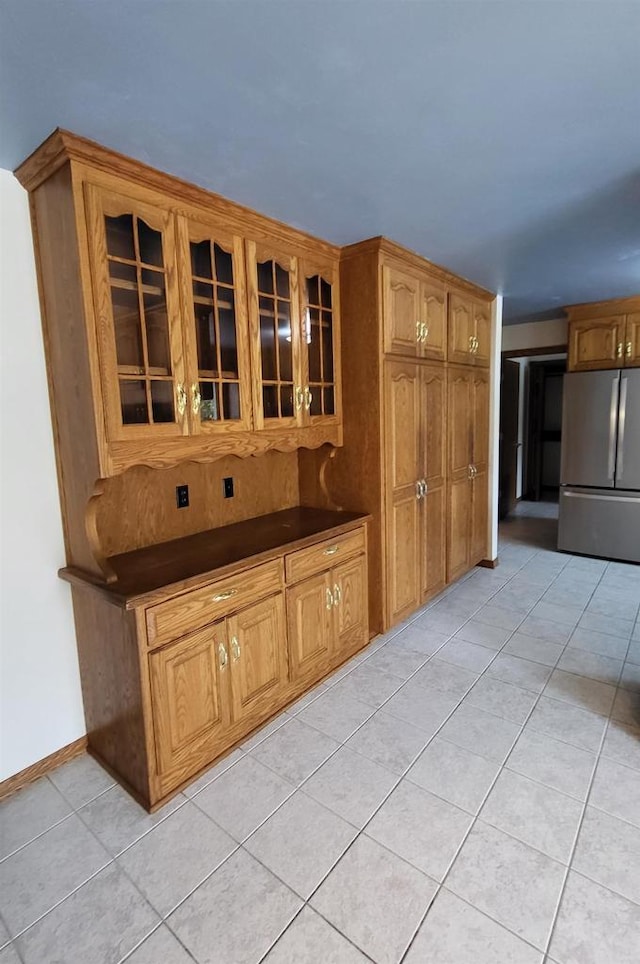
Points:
point(274, 317)
point(137, 306)
point(319, 300)
point(212, 275)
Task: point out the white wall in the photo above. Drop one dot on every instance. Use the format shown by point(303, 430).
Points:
point(537, 334)
point(40, 699)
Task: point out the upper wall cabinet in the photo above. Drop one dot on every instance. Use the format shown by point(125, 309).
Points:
point(469, 330)
point(139, 331)
point(414, 314)
point(197, 328)
point(295, 339)
point(604, 334)
point(216, 342)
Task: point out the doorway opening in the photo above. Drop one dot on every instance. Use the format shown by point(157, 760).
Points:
point(530, 429)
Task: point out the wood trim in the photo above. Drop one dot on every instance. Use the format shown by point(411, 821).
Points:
point(406, 257)
point(599, 309)
point(489, 563)
point(42, 767)
point(62, 145)
point(525, 352)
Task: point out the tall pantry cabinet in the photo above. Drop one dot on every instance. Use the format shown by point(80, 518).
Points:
point(416, 347)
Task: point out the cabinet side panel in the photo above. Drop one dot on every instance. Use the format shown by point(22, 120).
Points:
point(354, 476)
point(112, 686)
point(68, 364)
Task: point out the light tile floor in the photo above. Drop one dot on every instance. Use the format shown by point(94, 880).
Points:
point(465, 790)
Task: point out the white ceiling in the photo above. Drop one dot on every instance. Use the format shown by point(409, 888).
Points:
point(501, 139)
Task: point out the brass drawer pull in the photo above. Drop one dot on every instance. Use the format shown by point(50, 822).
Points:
point(619, 351)
point(329, 599)
point(227, 594)
point(331, 551)
point(308, 398)
point(337, 595)
point(196, 399)
point(629, 349)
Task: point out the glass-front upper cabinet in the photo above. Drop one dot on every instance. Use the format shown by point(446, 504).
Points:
point(212, 275)
point(321, 341)
point(274, 316)
point(293, 311)
point(137, 306)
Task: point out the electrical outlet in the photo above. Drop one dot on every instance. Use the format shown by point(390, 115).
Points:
point(182, 496)
point(227, 488)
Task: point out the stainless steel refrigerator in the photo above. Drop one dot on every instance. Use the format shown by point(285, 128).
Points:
point(600, 464)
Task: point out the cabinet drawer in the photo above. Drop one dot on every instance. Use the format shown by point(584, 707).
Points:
point(306, 562)
point(176, 617)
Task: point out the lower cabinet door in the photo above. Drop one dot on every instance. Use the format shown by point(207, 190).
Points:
point(403, 567)
point(480, 518)
point(351, 607)
point(190, 702)
point(310, 626)
point(459, 528)
point(433, 546)
point(258, 656)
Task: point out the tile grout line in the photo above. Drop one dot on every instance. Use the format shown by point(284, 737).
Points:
point(478, 817)
point(563, 886)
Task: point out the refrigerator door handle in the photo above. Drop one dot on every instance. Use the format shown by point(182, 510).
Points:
point(613, 413)
point(621, 424)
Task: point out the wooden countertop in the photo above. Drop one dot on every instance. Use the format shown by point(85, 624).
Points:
point(157, 572)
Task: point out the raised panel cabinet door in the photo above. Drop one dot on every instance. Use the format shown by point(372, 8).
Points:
point(275, 336)
point(434, 542)
point(632, 340)
point(480, 466)
point(351, 607)
point(482, 326)
point(216, 329)
point(461, 328)
point(433, 335)
point(460, 421)
point(403, 422)
point(460, 395)
point(480, 419)
point(132, 250)
point(459, 527)
point(403, 556)
point(433, 425)
point(320, 313)
point(597, 343)
point(310, 626)
point(479, 517)
point(258, 658)
point(189, 680)
point(433, 434)
point(402, 312)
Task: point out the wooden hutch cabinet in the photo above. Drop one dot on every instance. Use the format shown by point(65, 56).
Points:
point(604, 334)
point(183, 332)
